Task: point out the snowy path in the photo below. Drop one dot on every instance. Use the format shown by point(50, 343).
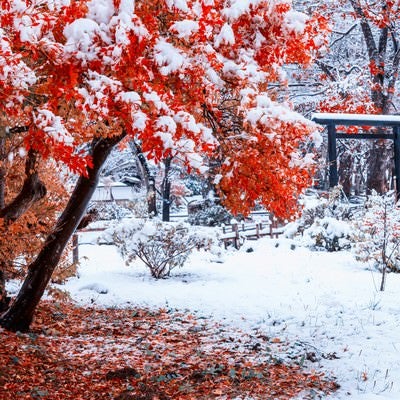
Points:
point(323, 303)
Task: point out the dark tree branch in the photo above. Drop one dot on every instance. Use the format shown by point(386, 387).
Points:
point(137, 151)
point(308, 94)
point(393, 79)
point(366, 30)
point(211, 118)
point(32, 191)
point(343, 35)
point(394, 39)
point(383, 39)
point(326, 69)
point(148, 177)
point(18, 129)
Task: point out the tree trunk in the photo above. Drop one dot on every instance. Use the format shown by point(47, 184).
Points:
point(19, 316)
point(166, 191)
point(148, 178)
point(359, 188)
point(3, 172)
point(346, 172)
point(379, 163)
point(3, 292)
point(4, 300)
point(32, 191)
point(151, 198)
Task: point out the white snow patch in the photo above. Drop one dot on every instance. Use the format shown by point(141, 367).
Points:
point(179, 4)
point(225, 36)
point(185, 28)
point(239, 7)
point(80, 35)
point(95, 287)
point(168, 57)
point(101, 11)
point(53, 125)
point(295, 21)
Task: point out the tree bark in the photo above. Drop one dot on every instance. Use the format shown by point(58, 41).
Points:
point(166, 191)
point(345, 172)
point(20, 314)
point(149, 179)
point(152, 198)
point(3, 173)
point(32, 191)
point(379, 163)
point(4, 300)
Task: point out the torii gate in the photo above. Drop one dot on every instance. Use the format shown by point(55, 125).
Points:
point(331, 120)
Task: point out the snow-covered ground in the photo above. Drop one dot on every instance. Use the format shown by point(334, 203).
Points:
point(325, 304)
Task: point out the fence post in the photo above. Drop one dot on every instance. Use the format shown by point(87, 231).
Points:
point(275, 226)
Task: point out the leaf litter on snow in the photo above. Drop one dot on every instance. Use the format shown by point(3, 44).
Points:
point(92, 353)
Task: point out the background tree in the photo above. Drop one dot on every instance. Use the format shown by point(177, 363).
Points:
point(80, 77)
point(359, 74)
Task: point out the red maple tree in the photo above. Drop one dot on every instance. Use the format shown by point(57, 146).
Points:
point(79, 77)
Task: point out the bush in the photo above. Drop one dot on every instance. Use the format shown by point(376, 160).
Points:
point(377, 234)
point(194, 184)
point(162, 246)
point(325, 223)
point(210, 215)
point(329, 234)
point(107, 211)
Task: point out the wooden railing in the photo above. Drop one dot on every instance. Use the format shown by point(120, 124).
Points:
point(237, 232)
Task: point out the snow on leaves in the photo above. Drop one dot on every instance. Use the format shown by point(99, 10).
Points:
point(168, 58)
point(106, 67)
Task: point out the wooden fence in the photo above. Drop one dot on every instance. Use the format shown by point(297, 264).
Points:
point(238, 232)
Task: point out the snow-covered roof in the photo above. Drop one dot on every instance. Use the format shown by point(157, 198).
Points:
point(356, 119)
point(111, 184)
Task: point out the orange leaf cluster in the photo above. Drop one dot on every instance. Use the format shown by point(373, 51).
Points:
point(26, 235)
point(87, 353)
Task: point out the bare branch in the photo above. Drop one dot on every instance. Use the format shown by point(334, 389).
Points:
point(326, 69)
point(343, 34)
point(308, 94)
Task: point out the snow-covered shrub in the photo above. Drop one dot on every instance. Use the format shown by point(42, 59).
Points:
point(110, 210)
point(329, 233)
point(210, 215)
point(324, 224)
point(377, 234)
point(139, 207)
point(162, 246)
